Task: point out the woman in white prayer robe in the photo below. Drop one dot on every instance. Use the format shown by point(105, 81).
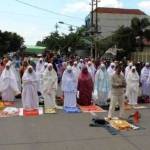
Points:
point(69, 87)
point(76, 70)
point(133, 86)
point(29, 94)
point(8, 85)
point(102, 85)
point(91, 70)
point(50, 81)
point(144, 80)
point(111, 69)
point(39, 71)
point(128, 69)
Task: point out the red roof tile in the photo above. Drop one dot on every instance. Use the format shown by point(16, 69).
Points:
point(120, 11)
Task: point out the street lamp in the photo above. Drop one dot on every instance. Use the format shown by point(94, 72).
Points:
point(61, 22)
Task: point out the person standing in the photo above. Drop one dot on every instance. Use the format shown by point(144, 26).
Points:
point(8, 84)
point(111, 69)
point(133, 86)
point(81, 64)
point(76, 70)
point(128, 69)
point(118, 85)
point(144, 80)
point(29, 93)
point(69, 88)
point(85, 88)
point(39, 72)
point(102, 85)
point(91, 70)
point(50, 81)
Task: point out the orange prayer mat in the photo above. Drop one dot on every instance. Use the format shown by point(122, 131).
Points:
point(7, 103)
point(33, 112)
point(92, 108)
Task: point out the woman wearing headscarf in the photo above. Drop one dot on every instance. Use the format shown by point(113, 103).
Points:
point(91, 69)
point(111, 69)
point(144, 80)
point(85, 87)
point(39, 72)
point(133, 86)
point(69, 87)
point(76, 70)
point(50, 81)
point(29, 94)
point(23, 67)
point(102, 85)
point(128, 69)
point(8, 85)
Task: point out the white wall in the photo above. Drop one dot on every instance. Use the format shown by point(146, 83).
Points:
point(108, 23)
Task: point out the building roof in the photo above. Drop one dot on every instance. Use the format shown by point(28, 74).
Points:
point(120, 11)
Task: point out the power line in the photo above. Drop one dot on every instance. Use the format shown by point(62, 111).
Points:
point(47, 10)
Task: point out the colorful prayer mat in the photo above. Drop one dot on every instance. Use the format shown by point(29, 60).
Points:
point(8, 103)
point(72, 110)
point(121, 125)
point(2, 106)
point(50, 110)
point(9, 112)
point(91, 108)
point(30, 113)
point(140, 107)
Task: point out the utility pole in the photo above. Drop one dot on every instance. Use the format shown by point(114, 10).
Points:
point(96, 26)
point(56, 27)
point(92, 3)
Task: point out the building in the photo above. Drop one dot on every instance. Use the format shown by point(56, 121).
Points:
point(110, 19)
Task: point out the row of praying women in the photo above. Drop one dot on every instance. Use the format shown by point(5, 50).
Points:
point(81, 83)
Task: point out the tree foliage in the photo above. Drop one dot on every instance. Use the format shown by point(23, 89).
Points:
point(126, 37)
point(75, 40)
point(10, 42)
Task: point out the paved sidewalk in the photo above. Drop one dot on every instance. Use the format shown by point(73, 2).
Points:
point(69, 132)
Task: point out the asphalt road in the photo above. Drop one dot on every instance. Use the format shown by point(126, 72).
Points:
point(63, 131)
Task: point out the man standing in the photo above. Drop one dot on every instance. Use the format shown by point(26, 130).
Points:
point(117, 92)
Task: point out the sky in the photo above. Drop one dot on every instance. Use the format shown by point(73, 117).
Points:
point(34, 24)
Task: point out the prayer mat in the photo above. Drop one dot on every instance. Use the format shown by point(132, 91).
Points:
point(92, 108)
point(28, 113)
point(72, 110)
point(104, 124)
point(2, 106)
point(121, 125)
point(8, 103)
point(140, 107)
point(9, 112)
point(50, 110)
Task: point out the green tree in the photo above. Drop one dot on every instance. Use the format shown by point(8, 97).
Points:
point(10, 42)
point(75, 40)
point(140, 32)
